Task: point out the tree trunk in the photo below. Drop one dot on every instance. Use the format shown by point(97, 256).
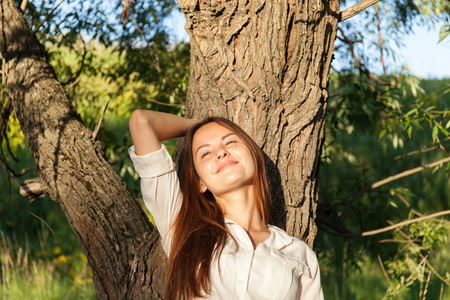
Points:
point(265, 65)
point(122, 249)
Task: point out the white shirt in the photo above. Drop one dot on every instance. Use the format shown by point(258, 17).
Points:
point(281, 267)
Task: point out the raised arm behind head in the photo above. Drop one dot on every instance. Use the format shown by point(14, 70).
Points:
point(148, 128)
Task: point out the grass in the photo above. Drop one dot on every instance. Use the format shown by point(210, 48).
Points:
point(46, 275)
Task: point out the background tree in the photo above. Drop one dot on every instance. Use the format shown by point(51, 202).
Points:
point(265, 65)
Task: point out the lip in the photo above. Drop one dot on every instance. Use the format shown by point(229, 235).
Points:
point(225, 165)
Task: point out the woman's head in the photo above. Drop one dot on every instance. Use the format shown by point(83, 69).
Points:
point(219, 157)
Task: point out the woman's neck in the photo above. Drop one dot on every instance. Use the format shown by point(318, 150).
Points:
point(240, 206)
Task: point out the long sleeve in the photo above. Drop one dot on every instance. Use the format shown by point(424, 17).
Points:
point(160, 188)
point(310, 286)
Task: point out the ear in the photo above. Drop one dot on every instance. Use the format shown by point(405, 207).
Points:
point(203, 187)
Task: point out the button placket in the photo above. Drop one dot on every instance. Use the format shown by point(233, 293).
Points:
point(244, 264)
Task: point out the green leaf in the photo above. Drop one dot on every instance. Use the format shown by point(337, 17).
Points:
point(444, 32)
point(435, 133)
point(447, 125)
point(382, 133)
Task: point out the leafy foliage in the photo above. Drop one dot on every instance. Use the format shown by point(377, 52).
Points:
point(366, 142)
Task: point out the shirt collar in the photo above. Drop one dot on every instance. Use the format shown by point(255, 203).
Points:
point(277, 240)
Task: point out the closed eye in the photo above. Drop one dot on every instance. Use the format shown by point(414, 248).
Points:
point(230, 142)
point(205, 154)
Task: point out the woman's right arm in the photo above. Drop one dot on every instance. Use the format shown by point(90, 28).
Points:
point(159, 182)
point(148, 128)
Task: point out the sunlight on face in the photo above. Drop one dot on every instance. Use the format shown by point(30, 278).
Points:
point(222, 161)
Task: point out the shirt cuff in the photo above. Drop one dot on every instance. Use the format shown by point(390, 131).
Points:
point(152, 164)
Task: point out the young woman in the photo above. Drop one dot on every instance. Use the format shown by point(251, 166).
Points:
point(214, 227)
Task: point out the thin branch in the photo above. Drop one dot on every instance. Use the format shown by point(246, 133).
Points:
point(163, 103)
point(356, 9)
point(83, 59)
point(386, 275)
point(407, 222)
point(73, 84)
point(360, 66)
point(126, 11)
point(43, 222)
point(48, 16)
point(420, 151)
point(425, 291)
point(97, 128)
point(389, 228)
point(156, 62)
point(390, 179)
point(380, 40)
point(426, 261)
point(409, 172)
point(393, 241)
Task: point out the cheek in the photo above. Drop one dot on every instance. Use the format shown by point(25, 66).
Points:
point(202, 169)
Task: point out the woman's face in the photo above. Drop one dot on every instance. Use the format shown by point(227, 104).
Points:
point(222, 161)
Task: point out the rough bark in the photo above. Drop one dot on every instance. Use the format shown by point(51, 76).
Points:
point(115, 234)
point(265, 65)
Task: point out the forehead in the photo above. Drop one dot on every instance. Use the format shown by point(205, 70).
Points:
point(208, 132)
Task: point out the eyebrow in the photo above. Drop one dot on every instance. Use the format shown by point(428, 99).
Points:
point(206, 145)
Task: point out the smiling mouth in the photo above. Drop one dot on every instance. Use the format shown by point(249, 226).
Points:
point(225, 165)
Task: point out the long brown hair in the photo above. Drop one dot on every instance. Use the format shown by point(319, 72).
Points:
point(200, 234)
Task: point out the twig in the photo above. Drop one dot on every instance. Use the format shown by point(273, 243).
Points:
point(380, 40)
point(97, 128)
point(407, 222)
point(126, 10)
point(76, 78)
point(390, 179)
point(162, 103)
point(409, 172)
point(425, 291)
point(43, 222)
point(48, 16)
point(73, 84)
point(416, 152)
point(155, 60)
point(356, 9)
point(386, 275)
point(426, 261)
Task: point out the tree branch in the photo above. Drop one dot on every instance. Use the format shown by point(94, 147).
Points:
point(409, 172)
point(385, 229)
point(23, 5)
point(403, 223)
point(390, 179)
point(380, 40)
point(356, 9)
point(48, 16)
point(97, 128)
point(33, 188)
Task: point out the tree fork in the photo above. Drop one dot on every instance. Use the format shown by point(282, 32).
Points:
point(105, 217)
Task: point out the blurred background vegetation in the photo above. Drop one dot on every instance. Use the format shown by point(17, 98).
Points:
point(379, 124)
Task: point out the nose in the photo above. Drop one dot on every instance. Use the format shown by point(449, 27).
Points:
point(221, 153)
